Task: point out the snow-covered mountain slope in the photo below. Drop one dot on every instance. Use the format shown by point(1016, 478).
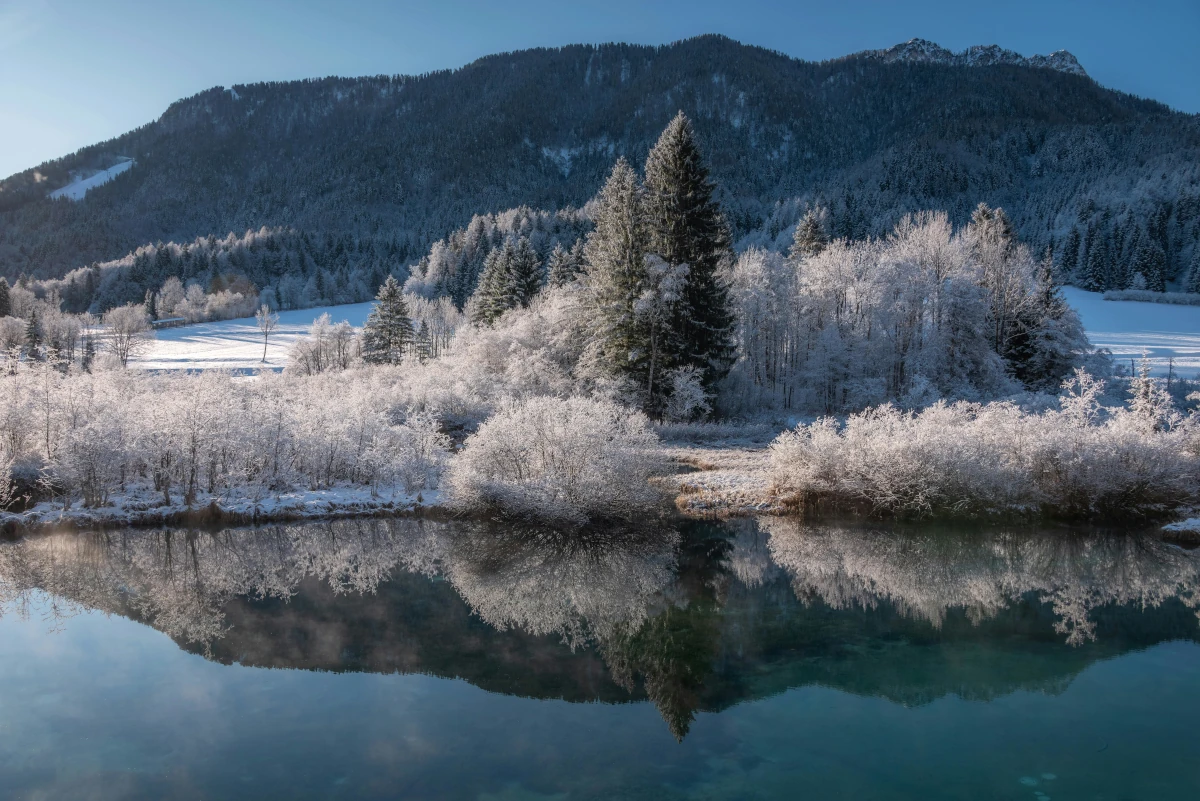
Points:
point(1127, 328)
point(238, 344)
point(77, 189)
point(925, 52)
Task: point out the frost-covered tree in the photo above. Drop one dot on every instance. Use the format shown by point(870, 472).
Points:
point(615, 277)
point(388, 331)
point(267, 321)
point(129, 331)
point(1150, 263)
point(685, 226)
point(1193, 275)
point(811, 235)
point(565, 265)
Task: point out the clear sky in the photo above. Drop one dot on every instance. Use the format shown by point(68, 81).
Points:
point(75, 72)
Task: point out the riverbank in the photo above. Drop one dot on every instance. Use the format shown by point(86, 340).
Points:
point(146, 508)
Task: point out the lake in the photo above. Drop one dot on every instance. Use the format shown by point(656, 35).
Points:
point(753, 659)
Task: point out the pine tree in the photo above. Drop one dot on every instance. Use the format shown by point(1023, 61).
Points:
point(615, 276)
point(526, 273)
point(497, 290)
point(388, 330)
point(810, 237)
point(152, 304)
point(563, 267)
point(33, 335)
point(1095, 276)
point(685, 226)
point(1152, 264)
point(5, 298)
point(1069, 261)
point(423, 343)
point(1193, 277)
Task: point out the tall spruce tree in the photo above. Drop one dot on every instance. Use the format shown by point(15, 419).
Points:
point(5, 298)
point(388, 331)
point(1069, 260)
point(562, 266)
point(33, 336)
point(526, 273)
point(497, 291)
point(1193, 276)
point(1095, 274)
point(615, 277)
point(810, 237)
point(685, 226)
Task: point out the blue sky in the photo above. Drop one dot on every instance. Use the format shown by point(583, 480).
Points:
point(76, 72)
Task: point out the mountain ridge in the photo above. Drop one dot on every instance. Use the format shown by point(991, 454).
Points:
point(404, 160)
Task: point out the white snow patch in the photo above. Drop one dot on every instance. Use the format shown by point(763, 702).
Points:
point(1127, 328)
point(78, 188)
point(238, 344)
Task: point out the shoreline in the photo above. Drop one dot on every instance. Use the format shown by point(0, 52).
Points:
point(707, 482)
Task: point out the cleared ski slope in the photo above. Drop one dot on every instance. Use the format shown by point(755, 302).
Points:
point(77, 189)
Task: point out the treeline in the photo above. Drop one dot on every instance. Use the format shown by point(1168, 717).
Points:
point(283, 268)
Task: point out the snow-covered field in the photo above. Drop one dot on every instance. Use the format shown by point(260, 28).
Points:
point(238, 344)
point(1127, 328)
point(77, 189)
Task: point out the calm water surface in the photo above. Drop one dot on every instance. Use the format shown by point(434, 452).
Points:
point(769, 659)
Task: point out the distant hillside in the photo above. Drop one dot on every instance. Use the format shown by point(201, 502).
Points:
point(391, 164)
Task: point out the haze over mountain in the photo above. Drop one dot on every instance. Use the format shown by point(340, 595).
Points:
point(387, 165)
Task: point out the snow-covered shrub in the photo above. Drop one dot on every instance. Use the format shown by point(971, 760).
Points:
point(198, 438)
point(571, 460)
point(1077, 461)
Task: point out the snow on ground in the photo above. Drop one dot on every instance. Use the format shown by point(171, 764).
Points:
point(77, 189)
point(1129, 327)
point(238, 344)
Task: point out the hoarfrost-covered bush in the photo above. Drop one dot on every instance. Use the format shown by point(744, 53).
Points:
point(572, 460)
point(199, 438)
point(1077, 461)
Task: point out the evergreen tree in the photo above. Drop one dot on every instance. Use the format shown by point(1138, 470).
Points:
point(615, 276)
point(388, 330)
point(497, 290)
point(563, 266)
point(685, 226)
point(1070, 255)
point(1095, 275)
point(810, 237)
point(526, 273)
point(33, 335)
point(423, 343)
point(5, 298)
point(152, 304)
point(1151, 263)
point(1193, 277)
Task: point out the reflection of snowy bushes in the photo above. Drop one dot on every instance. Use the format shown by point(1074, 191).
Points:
point(581, 589)
point(968, 458)
point(924, 577)
point(567, 460)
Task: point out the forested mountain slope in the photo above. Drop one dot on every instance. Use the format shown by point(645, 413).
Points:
point(392, 164)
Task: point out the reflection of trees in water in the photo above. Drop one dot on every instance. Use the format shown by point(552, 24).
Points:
point(544, 583)
point(672, 613)
point(179, 581)
point(925, 575)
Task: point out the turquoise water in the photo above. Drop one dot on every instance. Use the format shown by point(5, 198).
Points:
point(377, 659)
